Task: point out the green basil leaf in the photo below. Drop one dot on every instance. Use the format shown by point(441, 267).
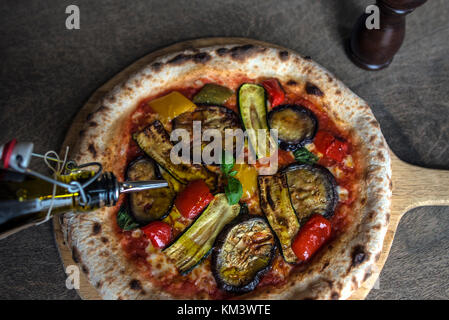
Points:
point(124, 219)
point(233, 190)
point(227, 162)
point(232, 173)
point(302, 155)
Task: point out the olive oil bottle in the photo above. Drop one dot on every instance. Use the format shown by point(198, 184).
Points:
point(25, 200)
point(28, 197)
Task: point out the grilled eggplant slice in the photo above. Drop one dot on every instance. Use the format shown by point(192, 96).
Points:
point(276, 205)
point(194, 244)
point(253, 111)
point(242, 253)
point(155, 142)
point(211, 117)
point(312, 190)
point(213, 94)
point(153, 204)
point(296, 125)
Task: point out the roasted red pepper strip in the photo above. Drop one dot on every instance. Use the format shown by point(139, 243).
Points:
point(322, 140)
point(193, 199)
point(330, 146)
point(159, 233)
point(315, 232)
point(275, 93)
point(337, 150)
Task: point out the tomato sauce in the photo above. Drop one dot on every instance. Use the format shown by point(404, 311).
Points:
point(182, 286)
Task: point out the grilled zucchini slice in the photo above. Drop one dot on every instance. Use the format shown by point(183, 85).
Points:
point(194, 244)
point(295, 124)
point(277, 207)
point(312, 190)
point(152, 204)
point(155, 142)
point(242, 253)
point(253, 111)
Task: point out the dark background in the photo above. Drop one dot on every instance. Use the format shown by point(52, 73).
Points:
point(48, 73)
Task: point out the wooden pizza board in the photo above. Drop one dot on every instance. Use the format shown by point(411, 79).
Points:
point(412, 186)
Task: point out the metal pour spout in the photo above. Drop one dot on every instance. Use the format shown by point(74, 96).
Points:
point(135, 186)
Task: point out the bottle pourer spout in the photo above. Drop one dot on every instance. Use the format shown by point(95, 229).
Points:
point(135, 186)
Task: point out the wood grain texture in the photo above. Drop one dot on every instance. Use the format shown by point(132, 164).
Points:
point(413, 186)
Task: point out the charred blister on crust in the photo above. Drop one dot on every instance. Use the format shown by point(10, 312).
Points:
point(179, 59)
point(103, 108)
point(358, 255)
point(221, 51)
point(201, 57)
point(112, 98)
point(380, 156)
point(96, 228)
point(84, 269)
point(335, 295)
point(92, 150)
point(135, 285)
point(377, 227)
point(93, 124)
point(292, 83)
point(241, 53)
point(283, 55)
point(156, 67)
point(313, 90)
point(375, 124)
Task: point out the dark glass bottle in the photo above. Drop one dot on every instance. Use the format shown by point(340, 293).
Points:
point(25, 200)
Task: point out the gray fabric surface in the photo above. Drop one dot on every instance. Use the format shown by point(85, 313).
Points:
point(48, 72)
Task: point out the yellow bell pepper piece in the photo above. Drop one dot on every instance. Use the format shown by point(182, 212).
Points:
point(171, 105)
point(247, 175)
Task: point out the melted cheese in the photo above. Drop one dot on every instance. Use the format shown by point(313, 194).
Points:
point(348, 162)
point(337, 172)
point(343, 193)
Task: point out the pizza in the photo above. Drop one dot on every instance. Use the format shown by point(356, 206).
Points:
point(311, 228)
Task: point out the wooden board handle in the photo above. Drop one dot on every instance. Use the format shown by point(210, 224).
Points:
point(415, 186)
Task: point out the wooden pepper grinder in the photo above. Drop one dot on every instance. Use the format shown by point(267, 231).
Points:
point(374, 49)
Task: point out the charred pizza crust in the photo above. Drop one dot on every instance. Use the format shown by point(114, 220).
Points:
point(335, 273)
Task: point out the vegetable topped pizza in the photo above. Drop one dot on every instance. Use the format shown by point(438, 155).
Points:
point(296, 207)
